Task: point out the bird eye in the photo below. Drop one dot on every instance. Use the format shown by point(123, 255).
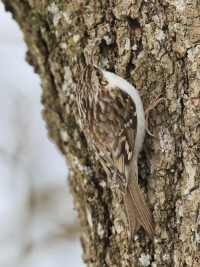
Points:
point(98, 74)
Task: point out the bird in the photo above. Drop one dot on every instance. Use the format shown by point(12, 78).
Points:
point(113, 120)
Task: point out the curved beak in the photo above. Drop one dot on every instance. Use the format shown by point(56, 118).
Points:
point(92, 56)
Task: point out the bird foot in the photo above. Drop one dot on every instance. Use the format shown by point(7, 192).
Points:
point(151, 106)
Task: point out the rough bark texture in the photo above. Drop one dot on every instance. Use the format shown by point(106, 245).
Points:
point(155, 46)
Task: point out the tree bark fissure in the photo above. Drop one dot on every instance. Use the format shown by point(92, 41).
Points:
point(155, 45)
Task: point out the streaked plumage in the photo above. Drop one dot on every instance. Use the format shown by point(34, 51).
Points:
point(112, 114)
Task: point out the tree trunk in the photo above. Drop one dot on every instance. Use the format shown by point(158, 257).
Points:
point(155, 46)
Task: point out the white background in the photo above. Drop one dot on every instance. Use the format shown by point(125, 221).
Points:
point(38, 226)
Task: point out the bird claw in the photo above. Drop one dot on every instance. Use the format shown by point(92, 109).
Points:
point(151, 106)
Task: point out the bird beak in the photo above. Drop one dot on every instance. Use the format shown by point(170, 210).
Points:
point(92, 56)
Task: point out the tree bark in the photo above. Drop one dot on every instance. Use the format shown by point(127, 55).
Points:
point(155, 45)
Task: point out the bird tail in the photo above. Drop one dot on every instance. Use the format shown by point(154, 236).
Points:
point(137, 210)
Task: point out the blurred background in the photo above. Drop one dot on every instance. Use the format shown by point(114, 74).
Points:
point(38, 226)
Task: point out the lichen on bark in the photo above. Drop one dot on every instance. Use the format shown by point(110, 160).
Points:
point(155, 45)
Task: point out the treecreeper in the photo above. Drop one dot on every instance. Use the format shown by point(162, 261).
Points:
point(113, 119)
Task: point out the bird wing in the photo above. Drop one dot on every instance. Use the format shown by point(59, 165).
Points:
point(114, 146)
point(114, 143)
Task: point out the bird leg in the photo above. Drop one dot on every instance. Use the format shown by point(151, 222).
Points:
point(151, 106)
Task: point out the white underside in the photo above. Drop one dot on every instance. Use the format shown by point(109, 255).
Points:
point(117, 81)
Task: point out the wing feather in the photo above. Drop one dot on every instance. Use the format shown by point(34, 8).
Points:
point(110, 121)
point(114, 144)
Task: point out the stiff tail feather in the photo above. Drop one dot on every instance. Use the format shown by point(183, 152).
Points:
point(137, 210)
